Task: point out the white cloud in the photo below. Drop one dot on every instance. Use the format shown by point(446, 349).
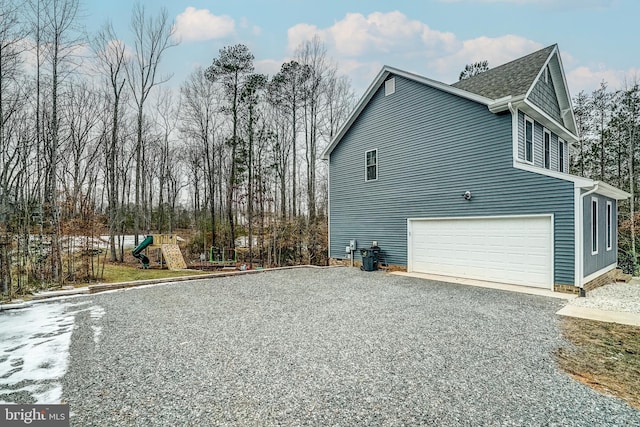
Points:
point(579, 4)
point(200, 24)
point(268, 66)
point(587, 79)
point(357, 34)
point(245, 24)
point(393, 38)
point(497, 51)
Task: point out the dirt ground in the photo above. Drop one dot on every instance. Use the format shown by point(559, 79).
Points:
point(605, 356)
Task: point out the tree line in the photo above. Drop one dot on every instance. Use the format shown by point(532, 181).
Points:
point(98, 143)
point(608, 122)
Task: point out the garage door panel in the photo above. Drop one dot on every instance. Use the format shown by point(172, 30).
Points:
point(512, 250)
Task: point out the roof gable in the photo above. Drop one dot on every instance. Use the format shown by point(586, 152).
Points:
point(518, 79)
point(556, 71)
point(513, 78)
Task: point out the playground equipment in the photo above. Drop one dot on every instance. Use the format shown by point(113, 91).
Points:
point(168, 247)
point(225, 257)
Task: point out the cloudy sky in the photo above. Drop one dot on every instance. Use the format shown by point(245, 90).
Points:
point(598, 39)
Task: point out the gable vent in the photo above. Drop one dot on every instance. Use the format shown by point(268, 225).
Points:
point(390, 87)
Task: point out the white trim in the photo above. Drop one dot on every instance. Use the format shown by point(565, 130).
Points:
point(533, 140)
point(515, 123)
point(448, 218)
point(594, 223)
point(546, 155)
point(609, 226)
point(561, 161)
point(409, 244)
point(578, 182)
point(599, 273)
point(580, 258)
point(366, 166)
point(555, 126)
point(329, 209)
point(569, 108)
point(578, 234)
point(504, 103)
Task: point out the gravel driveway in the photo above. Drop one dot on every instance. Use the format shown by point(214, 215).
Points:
point(324, 347)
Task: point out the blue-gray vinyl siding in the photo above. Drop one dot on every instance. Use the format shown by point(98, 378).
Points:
point(538, 145)
point(605, 257)
point(432, 147)
point(544, 96)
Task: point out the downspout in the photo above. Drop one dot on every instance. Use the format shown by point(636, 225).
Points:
point(514, 130)
point(581, 237)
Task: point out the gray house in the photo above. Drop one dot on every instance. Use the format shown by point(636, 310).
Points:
point(471, 179)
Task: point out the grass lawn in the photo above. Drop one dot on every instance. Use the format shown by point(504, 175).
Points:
point(114, 273)
point(605, 356)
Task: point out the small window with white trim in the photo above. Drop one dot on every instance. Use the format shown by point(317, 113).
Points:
point(545, 74)
point(390, 87)
point(371, 165)
point(528, 140)
point(609, 226)
point(594, 226)
point(561, 155)
point(547, 149)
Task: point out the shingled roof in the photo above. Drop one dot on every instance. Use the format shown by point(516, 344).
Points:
point(513, 78)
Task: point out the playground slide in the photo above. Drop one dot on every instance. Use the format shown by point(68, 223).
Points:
point(137, 252)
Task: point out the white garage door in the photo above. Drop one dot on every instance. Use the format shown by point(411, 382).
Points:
point(516, 250)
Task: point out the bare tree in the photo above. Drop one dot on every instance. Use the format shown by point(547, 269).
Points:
point(10, 100)
point(110, 53)
point(81, 112)
point(199, 122)
point(312, 54)
point(165, 118)
point(601, 100)
point(152, 37)
point(61, 36)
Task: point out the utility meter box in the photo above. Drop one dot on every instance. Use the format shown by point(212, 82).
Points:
point(352, 245)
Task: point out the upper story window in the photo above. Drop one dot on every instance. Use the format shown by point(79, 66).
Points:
point(371, 165)
point(609, 226)
point(547, 149)
point(528, 140)
point(545, 74)
point(561, 155)
point(594, 226)
point(390, 87)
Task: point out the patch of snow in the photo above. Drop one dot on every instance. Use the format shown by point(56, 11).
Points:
point(34, 348)
point(128, 240)
point(96, 313)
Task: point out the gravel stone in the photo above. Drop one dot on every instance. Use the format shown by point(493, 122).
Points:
point(623, 297)
point(325, 347)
